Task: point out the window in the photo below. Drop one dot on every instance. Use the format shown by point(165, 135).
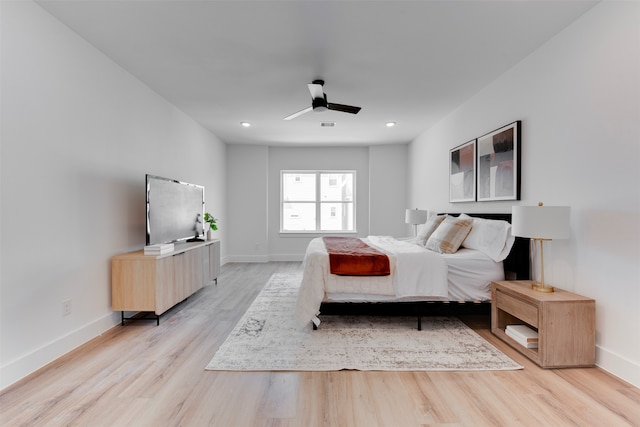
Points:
point(317, 201)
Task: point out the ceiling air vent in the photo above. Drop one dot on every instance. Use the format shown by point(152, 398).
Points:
point(327, 124)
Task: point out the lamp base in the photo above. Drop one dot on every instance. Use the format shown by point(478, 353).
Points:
point(542, 288)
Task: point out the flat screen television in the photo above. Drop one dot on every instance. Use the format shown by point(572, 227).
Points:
point(174, 210)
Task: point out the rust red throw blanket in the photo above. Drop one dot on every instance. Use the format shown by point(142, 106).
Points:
point(350, 256)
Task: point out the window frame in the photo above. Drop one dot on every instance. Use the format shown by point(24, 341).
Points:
point(318, 202)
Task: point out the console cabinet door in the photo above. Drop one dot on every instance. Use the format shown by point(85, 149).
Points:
point(214, 260)
point(205, 266)
point(194, 274)
point(167, 293)
point(133, 284)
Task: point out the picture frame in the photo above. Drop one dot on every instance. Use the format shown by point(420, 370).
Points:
point(462, 173)
point(498, 164)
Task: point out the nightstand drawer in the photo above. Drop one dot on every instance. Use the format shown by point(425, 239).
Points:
point(516, 307)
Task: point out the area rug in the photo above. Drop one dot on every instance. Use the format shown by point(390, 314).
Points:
point(267, 338)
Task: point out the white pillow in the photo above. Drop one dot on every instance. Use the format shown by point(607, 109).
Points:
point(427, 229)
point(492, 237)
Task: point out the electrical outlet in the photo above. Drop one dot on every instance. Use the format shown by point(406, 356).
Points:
point(66, 307)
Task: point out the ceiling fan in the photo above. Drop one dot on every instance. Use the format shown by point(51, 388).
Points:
point(319, 102)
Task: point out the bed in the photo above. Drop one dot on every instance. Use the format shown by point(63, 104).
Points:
point(424, 272)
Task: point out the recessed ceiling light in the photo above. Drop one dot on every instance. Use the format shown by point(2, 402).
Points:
point(245, 124)
point(390, 124)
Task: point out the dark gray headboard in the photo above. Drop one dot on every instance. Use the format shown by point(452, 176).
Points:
point(517, 264)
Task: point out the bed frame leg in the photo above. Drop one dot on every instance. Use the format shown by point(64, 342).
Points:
point(419, 323)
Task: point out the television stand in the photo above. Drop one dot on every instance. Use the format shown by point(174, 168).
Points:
point(195, 239)
point(152, 284)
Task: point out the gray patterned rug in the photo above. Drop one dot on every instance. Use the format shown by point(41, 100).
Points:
point(268, 339)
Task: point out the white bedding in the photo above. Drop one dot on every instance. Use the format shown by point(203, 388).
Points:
point(417, 274)
point(470, 275)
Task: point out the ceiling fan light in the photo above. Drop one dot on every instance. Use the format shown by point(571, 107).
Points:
point(319, 104)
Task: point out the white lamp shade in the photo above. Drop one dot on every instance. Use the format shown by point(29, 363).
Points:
point(541, 222)
point(416, 216)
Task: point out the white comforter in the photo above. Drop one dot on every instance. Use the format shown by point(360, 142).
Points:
point(415, 271)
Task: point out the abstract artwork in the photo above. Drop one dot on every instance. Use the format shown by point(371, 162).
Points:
point(498, 163)
point(462, 173)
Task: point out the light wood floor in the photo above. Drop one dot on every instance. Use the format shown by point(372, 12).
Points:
point(148, 375)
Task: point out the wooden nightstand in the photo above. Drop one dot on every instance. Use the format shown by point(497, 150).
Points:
point(565, 323)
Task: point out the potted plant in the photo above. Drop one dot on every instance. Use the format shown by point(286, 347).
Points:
point(209, 219)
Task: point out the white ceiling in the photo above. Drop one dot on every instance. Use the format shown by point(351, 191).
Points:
point(223, 62)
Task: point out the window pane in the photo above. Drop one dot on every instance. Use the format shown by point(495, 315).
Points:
point(336, 217)
point(299, 216)
point(336, 187)
point(299, 187)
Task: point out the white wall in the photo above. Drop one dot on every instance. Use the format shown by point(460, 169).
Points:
point(578, 98)
point(247, 200)
point(78, 135)
point(292, 247)
point(254, 195)
point(388, 190)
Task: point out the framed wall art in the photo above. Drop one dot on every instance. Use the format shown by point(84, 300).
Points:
point(498, 164)
point(462, 173)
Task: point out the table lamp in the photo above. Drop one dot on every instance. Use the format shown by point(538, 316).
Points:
point(415, 217)
point(541, 223)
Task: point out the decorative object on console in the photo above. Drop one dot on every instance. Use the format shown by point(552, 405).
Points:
point(498, 159)
point(197, 227)
point(159, 249)
point(462, 173)
point(209, 219)
point(541, 223)
point(414, 217)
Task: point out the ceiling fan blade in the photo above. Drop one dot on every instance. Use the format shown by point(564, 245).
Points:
point(344, 108)
point(299, 113)
point(316, 90)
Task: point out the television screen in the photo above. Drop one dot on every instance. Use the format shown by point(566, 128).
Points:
point(175, 210)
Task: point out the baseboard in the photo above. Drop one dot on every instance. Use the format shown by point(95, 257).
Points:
point(618, 365)
point(247, 258)
point(286, 257)
point(29, 363)
point(264, 258)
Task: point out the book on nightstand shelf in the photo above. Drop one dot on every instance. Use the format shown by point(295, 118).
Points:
point(523, 335)
point(158, 249)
